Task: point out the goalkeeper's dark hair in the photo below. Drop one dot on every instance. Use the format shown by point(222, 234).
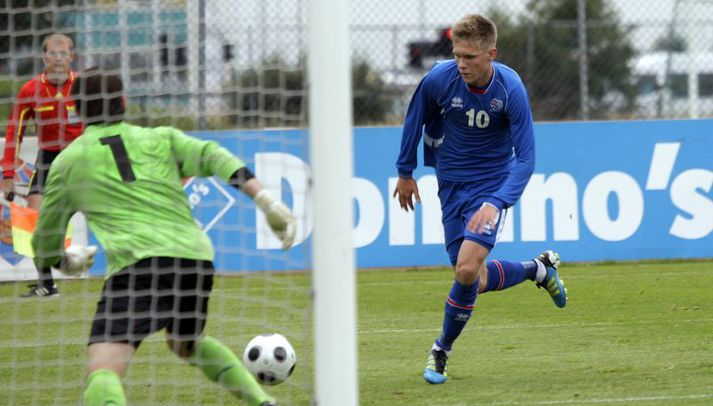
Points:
point(98, 97)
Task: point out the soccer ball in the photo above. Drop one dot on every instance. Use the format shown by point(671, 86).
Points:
point(270, 357)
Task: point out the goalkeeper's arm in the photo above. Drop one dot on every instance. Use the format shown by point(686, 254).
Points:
point(279, 217)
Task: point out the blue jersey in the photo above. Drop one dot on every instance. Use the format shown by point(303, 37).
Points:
point(479, 135)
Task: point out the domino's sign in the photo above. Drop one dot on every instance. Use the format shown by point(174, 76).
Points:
point(600, 191)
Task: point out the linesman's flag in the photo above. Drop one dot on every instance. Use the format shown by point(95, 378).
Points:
point(23, 221)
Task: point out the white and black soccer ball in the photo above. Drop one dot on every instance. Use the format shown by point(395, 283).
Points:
point(270, 357)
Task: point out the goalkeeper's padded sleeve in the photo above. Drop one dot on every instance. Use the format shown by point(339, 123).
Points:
point(240, 177)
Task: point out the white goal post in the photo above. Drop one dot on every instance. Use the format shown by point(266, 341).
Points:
point(330, 119)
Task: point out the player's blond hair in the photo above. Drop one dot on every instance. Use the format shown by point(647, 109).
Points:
point(57, 38)
point(477, 30)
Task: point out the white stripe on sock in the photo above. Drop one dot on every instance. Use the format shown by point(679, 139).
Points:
point(541, 271)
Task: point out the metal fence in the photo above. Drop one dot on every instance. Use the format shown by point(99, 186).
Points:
point(226, 64)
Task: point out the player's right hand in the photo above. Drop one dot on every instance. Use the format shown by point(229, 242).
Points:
point(8, 189)
point(406, 190)
point(77, 259)
point(484, 219)
point(280, 219)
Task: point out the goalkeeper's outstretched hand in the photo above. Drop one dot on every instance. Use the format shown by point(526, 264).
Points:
point(279, 218)
point(77, 259)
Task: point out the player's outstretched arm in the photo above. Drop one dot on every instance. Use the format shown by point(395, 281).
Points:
point(207, 158)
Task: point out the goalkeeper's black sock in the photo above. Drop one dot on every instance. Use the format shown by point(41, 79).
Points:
point(45, 278)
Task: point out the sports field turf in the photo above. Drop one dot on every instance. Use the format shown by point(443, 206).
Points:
point(630, 334)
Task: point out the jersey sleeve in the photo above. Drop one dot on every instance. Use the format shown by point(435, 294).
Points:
point(56, 211)
point(22, 112)
point(197, 157)
point(522, 133)
point(420, 111)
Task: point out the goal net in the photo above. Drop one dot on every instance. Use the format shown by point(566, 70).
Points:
point(231, 72)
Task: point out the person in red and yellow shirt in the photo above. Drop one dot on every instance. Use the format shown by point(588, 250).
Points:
point(46, 100)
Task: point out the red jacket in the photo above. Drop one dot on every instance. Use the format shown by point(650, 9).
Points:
point(56, 120)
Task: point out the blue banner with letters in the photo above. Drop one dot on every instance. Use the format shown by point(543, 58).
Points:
point(601, 191)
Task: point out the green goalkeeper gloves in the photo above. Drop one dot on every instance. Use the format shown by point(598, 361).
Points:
point(279, 217)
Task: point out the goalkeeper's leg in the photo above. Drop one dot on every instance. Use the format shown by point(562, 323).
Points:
point(221, 365)
point(107, 364)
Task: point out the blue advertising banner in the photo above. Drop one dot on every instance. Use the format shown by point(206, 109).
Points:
point(601, 191)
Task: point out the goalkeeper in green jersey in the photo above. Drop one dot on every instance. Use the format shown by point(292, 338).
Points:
point(126, 180)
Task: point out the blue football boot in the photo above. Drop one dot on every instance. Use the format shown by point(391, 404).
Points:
point(552, 283)
point(436, 372)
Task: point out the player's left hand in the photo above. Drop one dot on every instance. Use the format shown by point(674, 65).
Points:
point(484, 219)
point(282, 223)
point(280, 219)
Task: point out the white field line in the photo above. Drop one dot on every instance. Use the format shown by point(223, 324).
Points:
point(515, 326)
point(633, 399)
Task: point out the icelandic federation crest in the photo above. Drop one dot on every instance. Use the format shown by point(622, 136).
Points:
point(496, 105)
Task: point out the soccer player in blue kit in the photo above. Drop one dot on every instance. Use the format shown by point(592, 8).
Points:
point(479, 138)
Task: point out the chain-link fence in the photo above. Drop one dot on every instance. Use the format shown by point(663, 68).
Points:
point(224, 64)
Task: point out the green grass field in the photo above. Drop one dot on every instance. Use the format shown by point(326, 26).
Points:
point(630, 334)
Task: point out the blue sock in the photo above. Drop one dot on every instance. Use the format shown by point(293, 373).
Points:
point(505, 274)
point(459, 306)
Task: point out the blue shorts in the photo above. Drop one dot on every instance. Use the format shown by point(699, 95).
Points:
point(459, 201)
